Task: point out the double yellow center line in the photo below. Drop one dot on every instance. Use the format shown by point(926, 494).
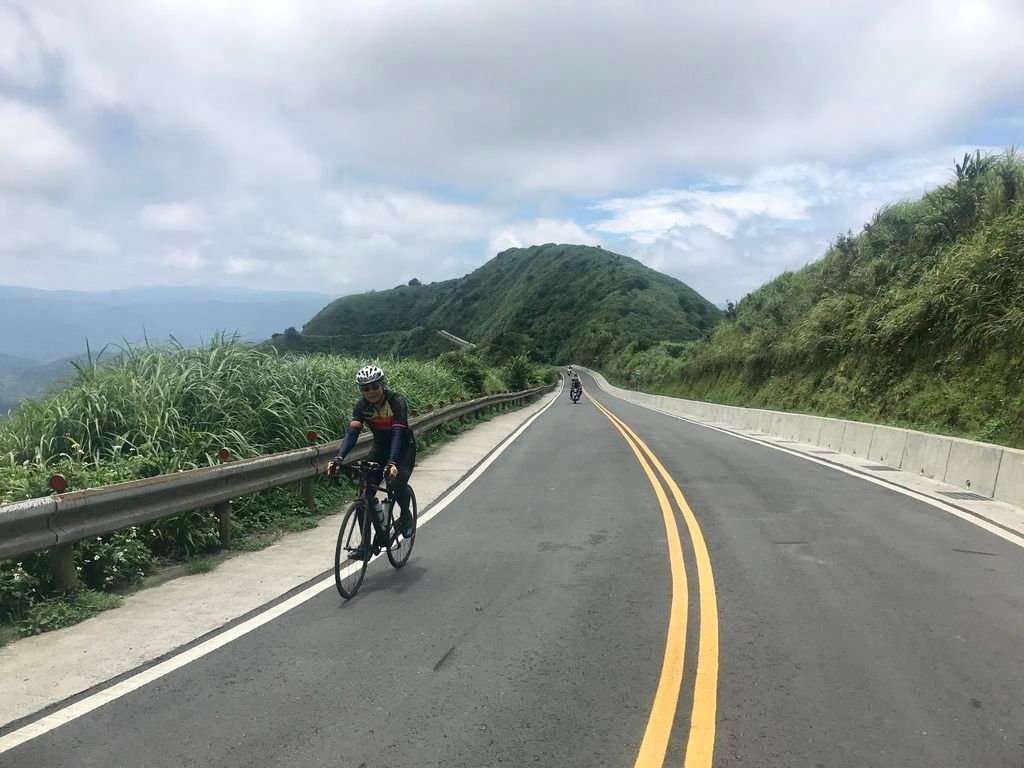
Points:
point(701, 740)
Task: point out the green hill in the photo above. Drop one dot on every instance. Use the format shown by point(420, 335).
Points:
point(558, 302)
point(21, 378)
point(918, 320)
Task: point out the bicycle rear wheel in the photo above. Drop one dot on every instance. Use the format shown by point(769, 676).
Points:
point(354, 533)
point(401, 547)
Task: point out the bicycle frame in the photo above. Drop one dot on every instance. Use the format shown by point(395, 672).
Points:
point(368, 490)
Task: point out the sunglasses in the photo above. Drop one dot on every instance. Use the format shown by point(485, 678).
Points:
point(370, 387)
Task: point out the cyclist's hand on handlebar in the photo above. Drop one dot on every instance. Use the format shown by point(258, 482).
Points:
point(334, 468)
point(391, 471)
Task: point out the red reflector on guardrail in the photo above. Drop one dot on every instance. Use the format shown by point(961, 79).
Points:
point(224, 454)
point(58, 483)
point(312, 436)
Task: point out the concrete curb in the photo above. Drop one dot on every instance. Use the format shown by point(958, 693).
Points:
point(990, 471)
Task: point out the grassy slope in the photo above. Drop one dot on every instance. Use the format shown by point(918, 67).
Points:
point(20, 379)
point(561, 301)
point(916, 321)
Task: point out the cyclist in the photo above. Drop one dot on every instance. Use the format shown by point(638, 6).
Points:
point(394, 445)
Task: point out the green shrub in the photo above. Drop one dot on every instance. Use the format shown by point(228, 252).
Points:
point(185, 535)
point(18, 589)
point(517, 372)
point(468, 367)
point(57, 612)
point(116, 560)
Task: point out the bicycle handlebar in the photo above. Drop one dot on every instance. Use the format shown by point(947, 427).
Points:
point(358, 468)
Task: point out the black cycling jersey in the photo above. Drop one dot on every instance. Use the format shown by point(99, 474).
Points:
point(389, 422)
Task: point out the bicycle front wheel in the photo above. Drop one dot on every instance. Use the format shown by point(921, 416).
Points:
point(349, 560)
point(401, 546)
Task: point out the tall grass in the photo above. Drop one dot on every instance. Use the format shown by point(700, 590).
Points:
point(153, 410)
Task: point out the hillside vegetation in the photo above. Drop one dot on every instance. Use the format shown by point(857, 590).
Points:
point(918, 320)
point(21, 379)
point(555, 302)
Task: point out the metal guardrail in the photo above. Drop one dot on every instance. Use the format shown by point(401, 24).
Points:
point(55, 522)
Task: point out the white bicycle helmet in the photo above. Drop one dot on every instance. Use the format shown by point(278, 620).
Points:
point(369, 374)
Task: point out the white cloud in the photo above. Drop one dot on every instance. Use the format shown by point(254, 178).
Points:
point(726, 238)
point(319, 141)
point(82, 240)
point(30, 225)
point(173, 217)
point(607, 96)
point(391, 215)
point(188, 259)
point(537, 232)
point(646, 217)
point(21, 55)
point(238, 265)
point(35, 153)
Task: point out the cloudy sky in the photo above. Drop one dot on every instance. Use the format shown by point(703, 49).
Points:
point(344, 146)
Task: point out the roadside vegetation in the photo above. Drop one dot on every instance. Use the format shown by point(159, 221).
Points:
point(916, 321)
point(156, 410)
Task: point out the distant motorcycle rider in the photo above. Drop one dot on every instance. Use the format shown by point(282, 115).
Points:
point(575, 385)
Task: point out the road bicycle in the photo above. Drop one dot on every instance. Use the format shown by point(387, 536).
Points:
point(365, 517)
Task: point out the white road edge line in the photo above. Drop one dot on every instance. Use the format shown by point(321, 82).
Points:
point(1010, 537)
point(146, 676)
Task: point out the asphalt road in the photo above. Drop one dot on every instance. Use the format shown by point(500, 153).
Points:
point(855, 627)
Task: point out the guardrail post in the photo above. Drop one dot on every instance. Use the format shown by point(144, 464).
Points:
point(62, 565)
point(223, 512)
point(306, 485)
point(62, 556)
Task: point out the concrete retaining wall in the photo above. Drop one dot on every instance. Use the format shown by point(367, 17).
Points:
point(983, 468)
point(887, 445)
point(974, 466)
point(926, 455)
point(1010, 480)
point(857, 439)
point(832, 431)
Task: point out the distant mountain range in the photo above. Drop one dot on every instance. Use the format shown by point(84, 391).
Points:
point(41, 331)
point(42, 326)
